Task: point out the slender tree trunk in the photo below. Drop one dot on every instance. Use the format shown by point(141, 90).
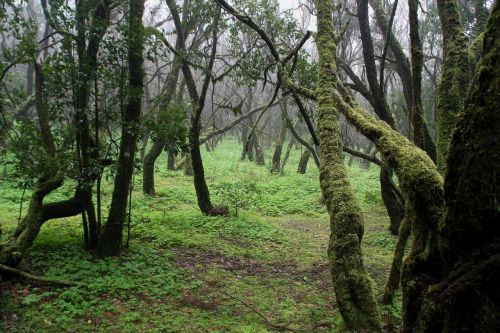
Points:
point(392, 203)
point(202, 193)
point(403, 69)
point(111, 238)
point(397, 262)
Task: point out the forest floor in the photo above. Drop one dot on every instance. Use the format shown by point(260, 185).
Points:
point(263, 271)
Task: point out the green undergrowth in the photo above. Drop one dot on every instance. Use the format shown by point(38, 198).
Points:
point(185, 272)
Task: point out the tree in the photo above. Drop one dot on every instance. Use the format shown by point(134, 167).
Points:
point(111, 237)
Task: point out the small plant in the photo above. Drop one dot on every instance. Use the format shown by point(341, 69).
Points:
point(237, 196)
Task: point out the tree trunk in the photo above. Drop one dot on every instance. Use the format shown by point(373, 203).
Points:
point(171, 154)
point(111, 238)
point(12, 250)
point(455, 77)
point(188, 164)
point(287, 156)
point(397, 261)
point(148, 171)
point(200, 184)
point(259, 150)
point(467, 298)
point(393, 203)
point(352, 288)
point(304, 158)
point(276, 161)
point(403, 69)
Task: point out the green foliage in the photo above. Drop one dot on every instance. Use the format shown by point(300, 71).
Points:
point(169, 123)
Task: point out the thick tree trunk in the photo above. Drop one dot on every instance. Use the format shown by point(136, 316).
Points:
point(352, 288)
point(111, 238)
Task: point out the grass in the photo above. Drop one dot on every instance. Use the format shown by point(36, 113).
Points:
point(185, 272)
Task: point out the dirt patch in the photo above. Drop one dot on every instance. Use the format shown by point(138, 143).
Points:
point(198, 261)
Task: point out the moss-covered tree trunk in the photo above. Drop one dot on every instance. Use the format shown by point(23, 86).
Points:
point(455, 77)
point(467, 298)
point(352, 288)
point(111, 237)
